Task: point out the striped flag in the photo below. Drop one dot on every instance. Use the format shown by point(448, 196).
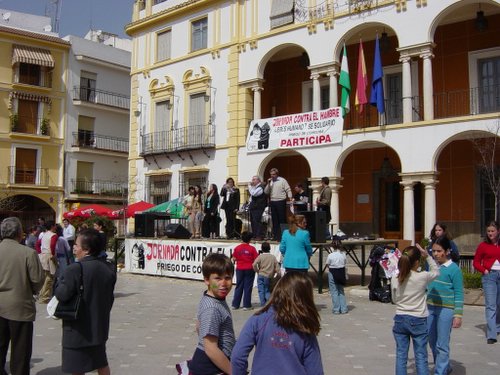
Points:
point(362, 80)
point(345, 83)
point(377, 94)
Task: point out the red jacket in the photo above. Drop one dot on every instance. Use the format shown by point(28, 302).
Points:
point(245, 254)
point(486, 254)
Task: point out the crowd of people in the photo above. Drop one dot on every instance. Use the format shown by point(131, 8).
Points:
point(44, 266)
point(273, 196)
point(427, 293)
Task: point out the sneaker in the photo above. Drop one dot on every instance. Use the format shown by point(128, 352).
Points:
point(234, 308)
point(492, 341)
point(251, 308)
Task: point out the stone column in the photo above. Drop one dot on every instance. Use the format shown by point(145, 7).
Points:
point(408, 210)
point(334, 206)
point(430, 203)
point(428, 88)
point(316, 91)
point(257, 114)
point(315, 186)
point(334, 96)
point(407, 100)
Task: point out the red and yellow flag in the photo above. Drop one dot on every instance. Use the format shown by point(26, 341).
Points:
point(362, 81)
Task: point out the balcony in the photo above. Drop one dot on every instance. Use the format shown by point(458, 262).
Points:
point(197, 137)
point(466, 102)
point(29, 124)
point(28, 176)
point(89, 140)
point(103, 188)
point(94, 96)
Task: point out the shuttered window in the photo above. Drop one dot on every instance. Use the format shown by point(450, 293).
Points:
point(163, 45)
point(199, 30)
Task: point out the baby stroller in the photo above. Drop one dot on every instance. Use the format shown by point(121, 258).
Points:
point(379, 288)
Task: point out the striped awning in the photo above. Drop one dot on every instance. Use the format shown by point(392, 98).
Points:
point(30, 96)
point(32, 55)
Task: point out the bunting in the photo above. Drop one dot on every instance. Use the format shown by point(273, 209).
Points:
point(362, 80)
point(345, 83)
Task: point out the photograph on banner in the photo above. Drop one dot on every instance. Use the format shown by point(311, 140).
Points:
point(174, 257)
point(309, 129)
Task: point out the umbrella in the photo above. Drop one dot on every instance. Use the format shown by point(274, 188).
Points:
point(174, 207)
point(88, 211)
point(130, 210)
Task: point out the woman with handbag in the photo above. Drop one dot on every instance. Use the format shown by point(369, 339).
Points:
point(84, 338)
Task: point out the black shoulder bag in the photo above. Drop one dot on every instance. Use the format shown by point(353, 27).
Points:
point(69, 310)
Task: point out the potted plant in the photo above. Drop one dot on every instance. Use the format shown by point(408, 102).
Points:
point(45, 126)
point(14, 122)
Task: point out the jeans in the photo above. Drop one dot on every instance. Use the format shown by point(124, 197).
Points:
point(338, 297)
point(406, 326)
point(491, 289)
point(264, 287)
point(244, 284)
point(439, 324)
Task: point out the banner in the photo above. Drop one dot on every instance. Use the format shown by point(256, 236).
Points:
point(175, 258)
point(309, 129)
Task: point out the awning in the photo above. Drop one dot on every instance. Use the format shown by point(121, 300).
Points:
point(32, 55)
point(30, 96)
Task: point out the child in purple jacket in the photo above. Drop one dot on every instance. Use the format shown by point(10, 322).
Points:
point(283, 332)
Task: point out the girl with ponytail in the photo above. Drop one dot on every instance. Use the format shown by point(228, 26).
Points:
point(409, 296)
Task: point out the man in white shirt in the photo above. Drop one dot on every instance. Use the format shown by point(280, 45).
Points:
point(69, 233)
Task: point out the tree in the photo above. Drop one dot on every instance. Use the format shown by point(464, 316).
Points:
point(487, 148)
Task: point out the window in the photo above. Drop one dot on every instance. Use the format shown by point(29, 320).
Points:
point(84, 178)
point(199, 30)
point(158, 188)
point(27, 116)
point(281, 13)
point(158, 1)
point(394, 98)
point(26, 162)
point(88, 86)
point(163, 45)
point(197, 119)
point(85, 137)
point(29, 74)
point(307, 95)
point(489, 84)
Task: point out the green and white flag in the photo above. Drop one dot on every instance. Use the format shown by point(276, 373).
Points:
point(345, 83)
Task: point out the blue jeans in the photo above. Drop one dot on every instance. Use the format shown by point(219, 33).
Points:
point(439, 324)
point(264, 287)
point(244, 284)
point(406, 326)
point(338, 297)
point(491, 289)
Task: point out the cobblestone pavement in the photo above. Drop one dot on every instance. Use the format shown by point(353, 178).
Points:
point(153, 328)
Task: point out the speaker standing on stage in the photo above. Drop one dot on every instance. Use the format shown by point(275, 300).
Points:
point(325, 198)
point(230, 204)
point(278, 190)
point(258, 202)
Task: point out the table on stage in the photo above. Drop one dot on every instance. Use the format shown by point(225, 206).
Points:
point(349, 246)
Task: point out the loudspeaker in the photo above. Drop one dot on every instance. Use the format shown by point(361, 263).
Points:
point(144, 225)
point(316, 225)
point(177, 231)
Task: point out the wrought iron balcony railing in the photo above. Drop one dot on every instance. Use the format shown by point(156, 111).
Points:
point(466, 102)
point(90, 140)
point(98, 187)
point(91, 95)
point(28, 176)
point(195, 137)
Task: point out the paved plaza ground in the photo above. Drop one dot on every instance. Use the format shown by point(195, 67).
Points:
point(153, 328)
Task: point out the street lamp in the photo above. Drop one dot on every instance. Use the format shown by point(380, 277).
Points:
point(208, 97)
point(138, 112)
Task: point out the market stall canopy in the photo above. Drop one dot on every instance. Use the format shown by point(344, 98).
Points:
point(174, 207)
point(88, 211)
point(130, 210)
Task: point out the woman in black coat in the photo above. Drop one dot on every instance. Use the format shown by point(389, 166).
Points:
point(211, 210)
point(230, 204)
point(84, 339)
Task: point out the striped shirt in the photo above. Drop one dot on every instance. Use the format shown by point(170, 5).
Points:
point(215, 319)
point(448, 289)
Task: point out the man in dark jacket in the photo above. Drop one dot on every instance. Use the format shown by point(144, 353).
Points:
point(21, 277)
point(258, 203)
point(230, 204)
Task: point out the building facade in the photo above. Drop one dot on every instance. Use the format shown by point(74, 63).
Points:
point(96, 144)
point(33, 64)
point(203, 70)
